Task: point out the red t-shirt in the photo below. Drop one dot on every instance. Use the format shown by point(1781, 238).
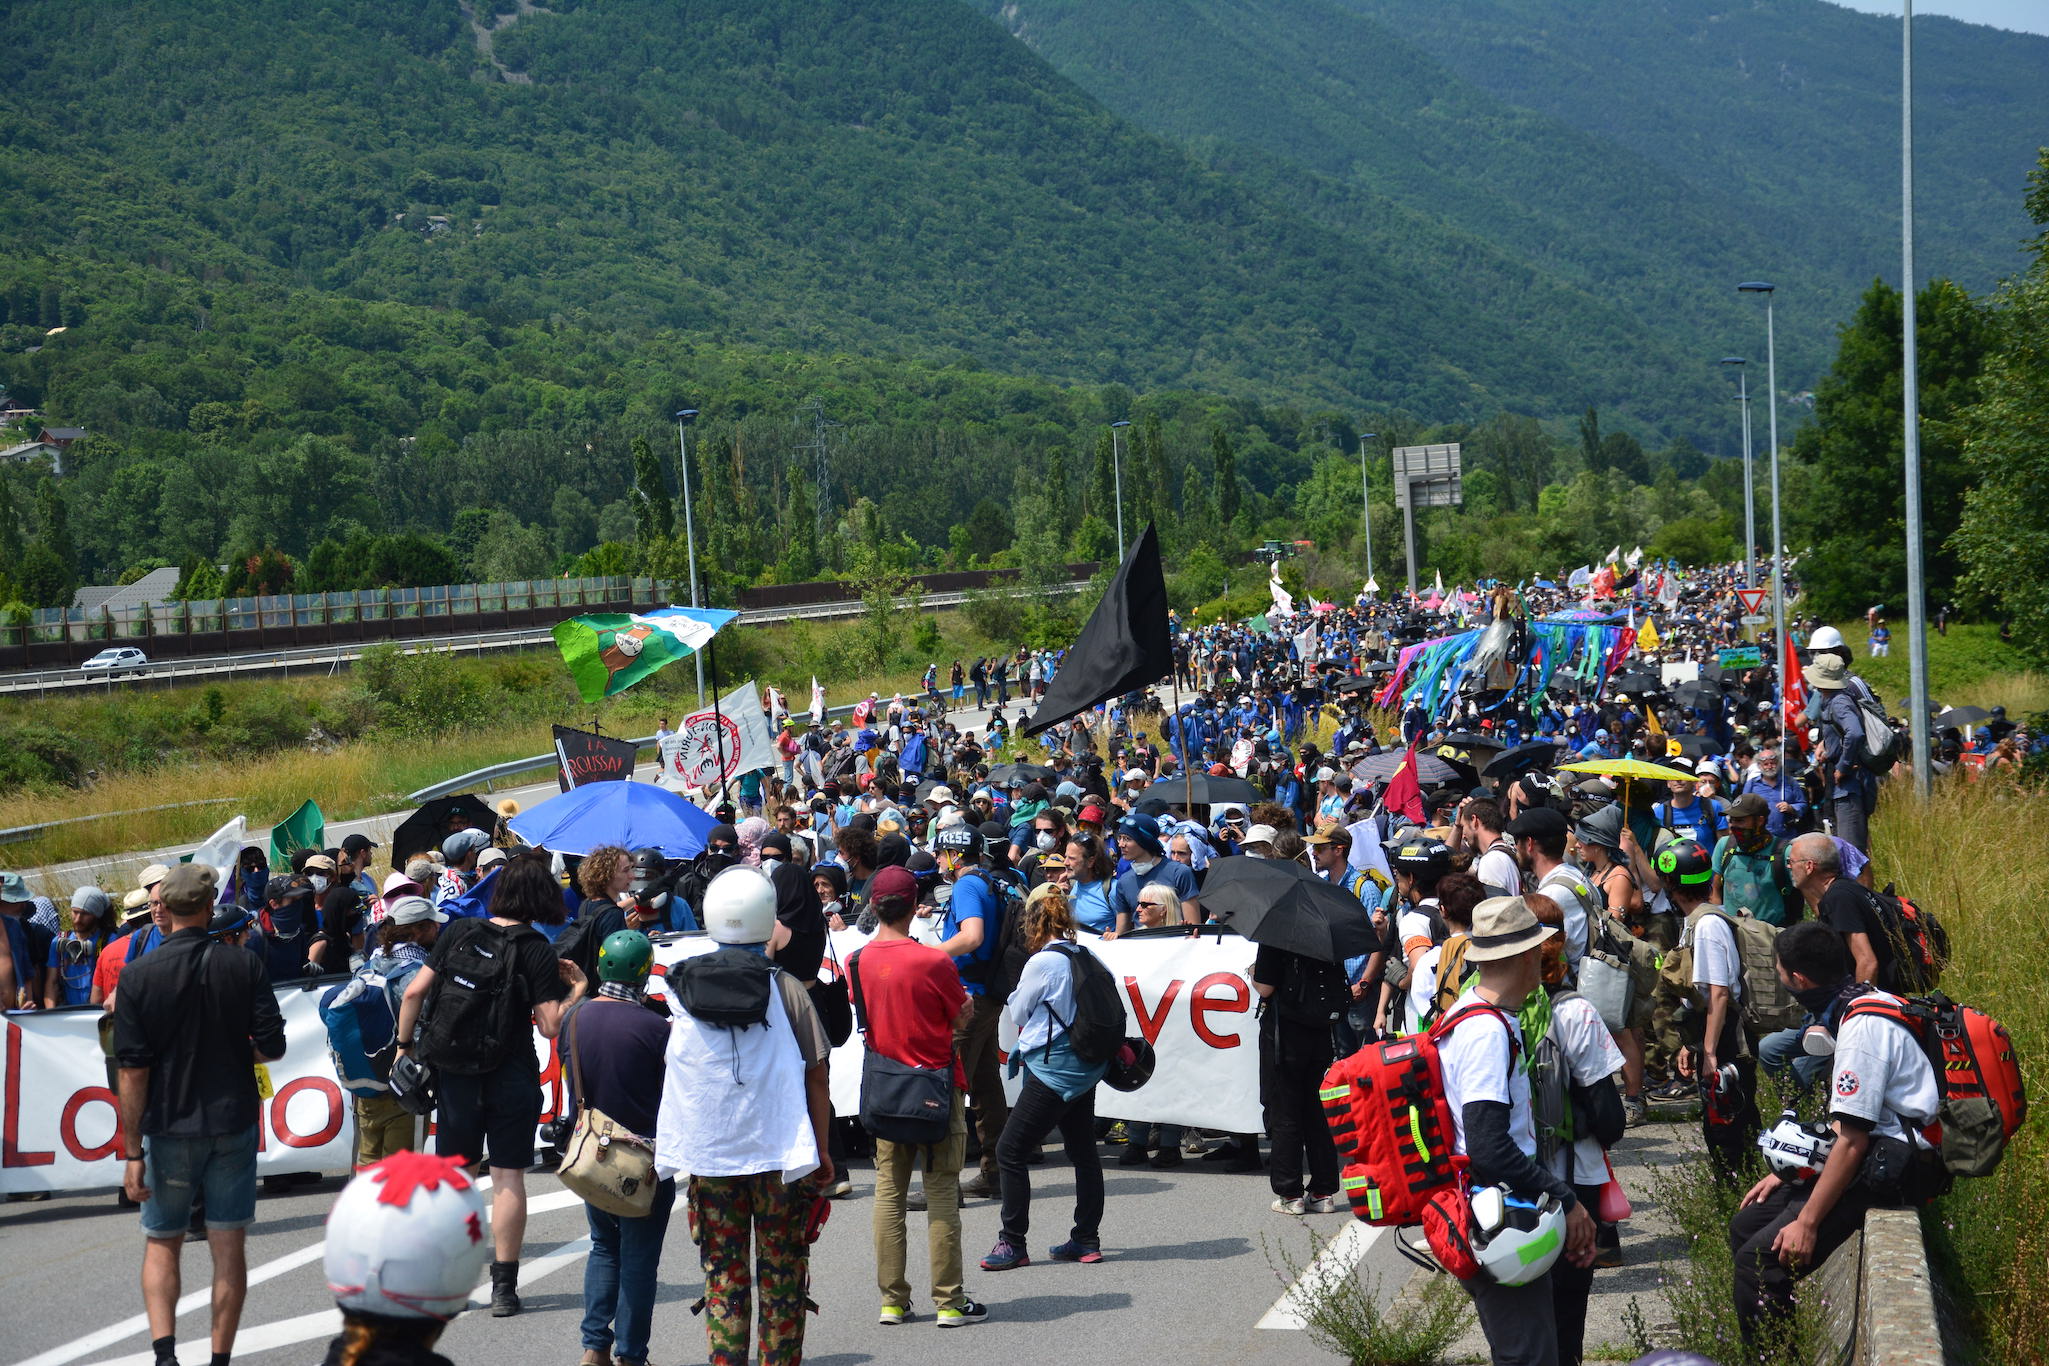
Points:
point(912, 994)
point(106, 969)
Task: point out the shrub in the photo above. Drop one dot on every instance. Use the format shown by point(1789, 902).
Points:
point(36, 755)
point(1342, 1314)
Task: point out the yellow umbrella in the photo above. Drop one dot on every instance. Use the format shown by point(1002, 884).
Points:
point(1627, 768)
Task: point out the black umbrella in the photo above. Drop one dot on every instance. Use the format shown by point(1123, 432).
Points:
point(1634, 681)
point(427, 827)
point(1377, 768)
point(1963, 716)
point(1281, 904)
point(1479, 745)
point(1699, 694)
point(1356, 685)
point(1511, 764)
point(1698, 747)
point(1207, 789)
point(1004, 774)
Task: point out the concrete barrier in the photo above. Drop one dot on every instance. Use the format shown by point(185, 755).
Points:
point(1877, 1297)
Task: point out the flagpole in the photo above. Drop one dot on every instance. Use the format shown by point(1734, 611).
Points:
point(1181, 734)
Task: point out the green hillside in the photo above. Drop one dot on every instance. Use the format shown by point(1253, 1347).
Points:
point(1633, 151)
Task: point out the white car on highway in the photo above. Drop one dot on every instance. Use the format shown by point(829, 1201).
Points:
point(116, 659)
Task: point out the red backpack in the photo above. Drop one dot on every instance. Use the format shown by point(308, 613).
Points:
point(1984, 1099)
point(1391, 1120)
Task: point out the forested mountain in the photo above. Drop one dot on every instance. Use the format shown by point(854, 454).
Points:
point(1649, 152)
point(315, 274)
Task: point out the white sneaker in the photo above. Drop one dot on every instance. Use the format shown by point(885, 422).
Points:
point(1320, 1204)
point(1285, 1206)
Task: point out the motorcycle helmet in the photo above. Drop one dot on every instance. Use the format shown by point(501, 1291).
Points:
point(626, 956)
point(1516, 1239)
point(1421, 855)
point(651, 883)
point(406, 1239)
point(739, 907)
point(963, 841)
point(1796, 1151)
point(1686, 863)
point(1131, 1066)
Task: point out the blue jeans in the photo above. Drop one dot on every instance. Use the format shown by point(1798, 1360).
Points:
point(220, 1170)
point(619, 1277)
point(1776, 1052)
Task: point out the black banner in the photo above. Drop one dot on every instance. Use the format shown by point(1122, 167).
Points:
point(585, 757)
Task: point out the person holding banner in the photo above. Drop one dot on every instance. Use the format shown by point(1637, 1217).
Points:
point(190, 1021)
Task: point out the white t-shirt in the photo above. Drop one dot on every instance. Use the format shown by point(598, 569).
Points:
point(1410, 926)
point(1474, 1057)
point(1497, 868)
point(1716, 962)
point(1561, 884)
point(1880, 1075)
point(1590, 1056)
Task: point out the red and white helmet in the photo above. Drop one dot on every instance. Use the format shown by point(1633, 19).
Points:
point(406, 1239)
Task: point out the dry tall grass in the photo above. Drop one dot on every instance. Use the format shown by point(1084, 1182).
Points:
point(1977, 855)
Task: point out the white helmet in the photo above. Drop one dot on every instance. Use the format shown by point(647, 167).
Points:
point(406, 1239)
point(1825, 638)
point(739, 907)
point(1516, 1239)
point(1796, 1151)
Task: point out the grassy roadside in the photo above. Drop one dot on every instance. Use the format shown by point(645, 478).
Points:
point(1970, 666)
point(358, 743)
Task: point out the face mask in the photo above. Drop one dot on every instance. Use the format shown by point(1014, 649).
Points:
point(1043, 841)
point(1814, 1000)
point(319, 883)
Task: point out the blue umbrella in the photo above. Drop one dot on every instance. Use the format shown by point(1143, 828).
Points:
point(630, 815)
point(1544, 583)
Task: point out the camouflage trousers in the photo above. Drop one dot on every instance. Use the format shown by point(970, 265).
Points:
point(749, 1232)
point(1661, 1034)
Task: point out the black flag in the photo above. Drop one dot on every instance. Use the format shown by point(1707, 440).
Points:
point(586, 757)
point(1125, 645)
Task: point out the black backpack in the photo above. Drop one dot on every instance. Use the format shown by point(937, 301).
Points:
point(477, 1013)
point(727, 987)
point(1312, 993)
point(1098, 1024)
point(987, 971)
point(579, 941)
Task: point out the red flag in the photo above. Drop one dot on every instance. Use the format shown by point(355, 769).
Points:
point(1404, 794)
point(1790, 719)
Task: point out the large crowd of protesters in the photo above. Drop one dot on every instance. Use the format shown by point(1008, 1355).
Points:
point(974, 857)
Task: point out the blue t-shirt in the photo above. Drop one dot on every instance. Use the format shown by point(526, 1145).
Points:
point(74, 978)
point(1093, 907)
point(1167, 872)
point(1701, 821)
point(972, 899)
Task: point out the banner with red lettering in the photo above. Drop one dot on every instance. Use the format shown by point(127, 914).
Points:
point(1191, 998)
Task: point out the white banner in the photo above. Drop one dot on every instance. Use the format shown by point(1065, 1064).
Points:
point(1191, 998)
point(737, 732)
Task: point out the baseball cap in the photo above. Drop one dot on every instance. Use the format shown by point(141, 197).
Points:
point(1539, 821)
point(459, 844)
point(894, 882)
point(1092, 813)
point(413, 910)
point(1748, 806)
point(189, 889)
point(285, 887)
point(1325, 775)
point(319, 863)
point(1331, 834)
point(356, 844)
point(491, 857)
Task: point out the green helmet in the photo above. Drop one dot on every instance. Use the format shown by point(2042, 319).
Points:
point(625, 956)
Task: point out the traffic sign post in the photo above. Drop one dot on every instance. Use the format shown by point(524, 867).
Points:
point(1752, 600)
point(1424, 476)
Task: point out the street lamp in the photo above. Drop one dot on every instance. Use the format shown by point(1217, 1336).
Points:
point(684, 417)
point(1749, 494)
point(1117, 461)
point(1917, 593)
point(1366, 501)
point(1771, 398)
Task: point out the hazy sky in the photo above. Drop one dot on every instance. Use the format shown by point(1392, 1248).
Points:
point(2031, 16)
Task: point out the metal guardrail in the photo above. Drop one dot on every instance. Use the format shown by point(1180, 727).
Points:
point(19, 833)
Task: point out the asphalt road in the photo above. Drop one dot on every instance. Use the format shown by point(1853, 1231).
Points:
point(1189, 1276)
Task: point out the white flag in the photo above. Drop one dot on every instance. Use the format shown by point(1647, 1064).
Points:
point(1371, 588)
point(1635, 558)
point(1284, 603)
point(817, 701)
point(1614, 556)
point(223, 848)
point(711, 747)
point(1440, 583)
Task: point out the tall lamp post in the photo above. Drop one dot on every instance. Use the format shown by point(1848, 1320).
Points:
point(1771, 399)
point(1749, 484)
point(1366, 501)
point(1917, 595)
point(684, 417)
point(1117, 460)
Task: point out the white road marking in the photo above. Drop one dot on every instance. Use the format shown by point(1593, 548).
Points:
point(326, 1323)
point(267, 1271)
point(1337, 1260)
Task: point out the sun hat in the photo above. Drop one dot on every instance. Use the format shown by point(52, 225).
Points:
point(13, 888)
point(398, 882)
point(135, 906)
point(412, 910)
point(1504, 926)
point(152, 875)
point(1827, 673)
point(491, 857)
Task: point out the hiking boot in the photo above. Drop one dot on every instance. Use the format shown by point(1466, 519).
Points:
point(1132, 1156)
point(1635, 1111)
point(504, 1289)
point(970, 1311)
point(916, 1199)
point(1116, 1133)
point(980, 1188)
point(1167, 1157)
point(1074, 1251)
point(1004, 1256)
